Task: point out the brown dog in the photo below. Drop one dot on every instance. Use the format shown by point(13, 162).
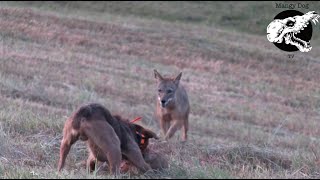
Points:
point(172, 106)
point(109, 138)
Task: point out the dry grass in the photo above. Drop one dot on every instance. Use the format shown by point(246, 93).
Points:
point(254, 112)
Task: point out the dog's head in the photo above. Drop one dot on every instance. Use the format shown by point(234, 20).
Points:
point(143, 135)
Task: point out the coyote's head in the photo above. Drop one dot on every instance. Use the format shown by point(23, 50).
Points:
point(167, 89)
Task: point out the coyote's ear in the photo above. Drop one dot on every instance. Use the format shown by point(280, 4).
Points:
point(177, 79)
point(157, 75)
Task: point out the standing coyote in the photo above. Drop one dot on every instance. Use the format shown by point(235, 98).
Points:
point(172, 106)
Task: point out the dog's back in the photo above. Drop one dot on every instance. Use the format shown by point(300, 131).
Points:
point(91, 112)
point(97, 112)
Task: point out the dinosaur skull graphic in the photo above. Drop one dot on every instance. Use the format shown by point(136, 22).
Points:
point(286, 29)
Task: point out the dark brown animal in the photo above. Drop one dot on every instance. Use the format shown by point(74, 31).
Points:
point(172, 106)
point(109, 138)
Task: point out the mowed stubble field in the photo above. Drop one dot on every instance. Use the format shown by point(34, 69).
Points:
point(255, 113)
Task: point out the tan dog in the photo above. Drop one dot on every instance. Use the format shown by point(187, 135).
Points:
point(172, 106)
point(109, 138)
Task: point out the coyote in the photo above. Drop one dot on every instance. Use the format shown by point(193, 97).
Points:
point(109, 138)
point(172, 106)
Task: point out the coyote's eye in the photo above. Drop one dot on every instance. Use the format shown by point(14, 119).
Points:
point(159, 90)
point(169, 91)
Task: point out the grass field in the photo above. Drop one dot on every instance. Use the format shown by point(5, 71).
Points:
point(255, 112)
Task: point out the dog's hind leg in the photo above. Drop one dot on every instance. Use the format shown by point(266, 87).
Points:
point(91, 164)
point(133, 153)
point(104, 136)
point(70, 136)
